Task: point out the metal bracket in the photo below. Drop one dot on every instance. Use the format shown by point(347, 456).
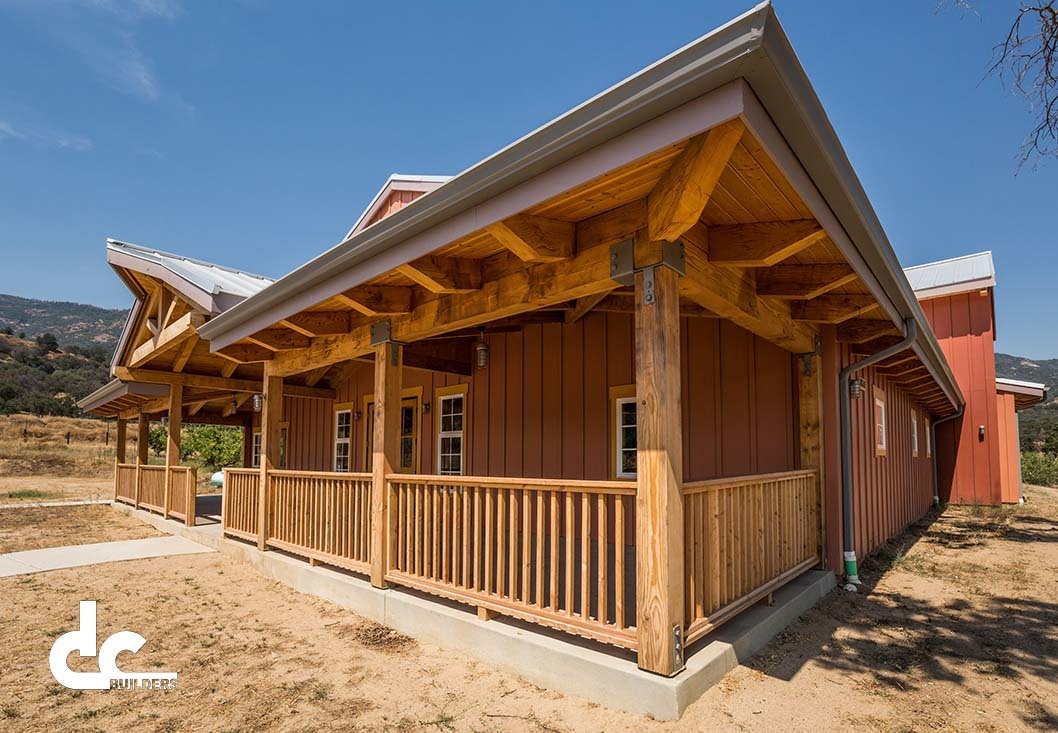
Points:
point(806, 358)
point(622, 262)
point(672, 257)
point(623, 267)
point(381, 332)
point(677, 648)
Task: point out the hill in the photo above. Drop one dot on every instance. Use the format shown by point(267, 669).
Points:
point(72, 324)
point(36, 377)
point(1036, 423)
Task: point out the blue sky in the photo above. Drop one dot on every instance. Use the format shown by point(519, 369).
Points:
point(253, 133)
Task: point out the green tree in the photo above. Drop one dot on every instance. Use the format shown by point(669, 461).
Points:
point(157, 439)
point(214, 446)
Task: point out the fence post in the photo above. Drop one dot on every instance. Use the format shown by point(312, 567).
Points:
point(172, 445)
point(139, 480)
point(191, 497)
point(271, 416)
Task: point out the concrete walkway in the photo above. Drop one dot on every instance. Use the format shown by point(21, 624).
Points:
point(72, 556)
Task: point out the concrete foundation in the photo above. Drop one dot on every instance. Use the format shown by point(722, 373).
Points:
point(596, 672)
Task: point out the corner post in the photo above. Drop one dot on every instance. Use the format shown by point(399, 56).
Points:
point(247, 443)
point(143, 430)
point(172, 442)
point(810, 436)
point(385, 455)
point(659, 500)
point(119, 454)
point(271, 416)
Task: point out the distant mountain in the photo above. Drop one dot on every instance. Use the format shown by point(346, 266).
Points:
point(1035, 423)
point(72, 324)
point(36, 377)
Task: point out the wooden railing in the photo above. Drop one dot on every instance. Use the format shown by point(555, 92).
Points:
point(325, 517)
point(125, 483)
point(744, 538)
point(182, 493)
point(239, 504)
point(152, 488)
point(547, 551)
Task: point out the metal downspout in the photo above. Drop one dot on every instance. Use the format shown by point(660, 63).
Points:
point(933, 445)
point(852, 578)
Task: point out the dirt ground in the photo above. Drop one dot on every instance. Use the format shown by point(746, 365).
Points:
point(32, 489)
point(956, 630)
point(33, 528)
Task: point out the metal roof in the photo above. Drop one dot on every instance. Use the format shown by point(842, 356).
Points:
point(957, 275)
point(116, 396)
point(752, 50)
point(1026, 394)
point(206, 276)
point(396, 182)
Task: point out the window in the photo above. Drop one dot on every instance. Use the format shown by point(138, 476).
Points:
point(410, 413)
point(929, 446)
point(343, 433)
point(623, 431)
point(880, 438)
point(451, 429)
point(256, 452)
point(914, 434)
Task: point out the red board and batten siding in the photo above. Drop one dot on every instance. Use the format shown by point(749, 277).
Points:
point(889, 492)
point(542, 407)
point(968, 468)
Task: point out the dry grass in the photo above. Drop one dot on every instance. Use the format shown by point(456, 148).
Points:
point(38, 446)
point(31, 528)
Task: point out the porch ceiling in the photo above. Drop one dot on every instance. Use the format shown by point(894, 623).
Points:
point(755, 255)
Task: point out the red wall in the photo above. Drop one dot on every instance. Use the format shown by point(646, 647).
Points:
point(968, 467)
point(542, 407)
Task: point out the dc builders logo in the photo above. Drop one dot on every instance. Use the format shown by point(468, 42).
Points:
point(83, 641)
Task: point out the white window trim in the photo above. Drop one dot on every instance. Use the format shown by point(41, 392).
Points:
point(255, 449)
point(347, 442)
point(914, 434)
point(618, 402)
point(929, 443)
point(881, 418)
point(461, 434)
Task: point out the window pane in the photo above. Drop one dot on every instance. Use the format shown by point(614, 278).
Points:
point(628, 438)
point(628, 461)
point(407, 420)
point(628, 413)
point(406, 445)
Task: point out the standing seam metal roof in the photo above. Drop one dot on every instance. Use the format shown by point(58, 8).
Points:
point(206, 276)
point(976, 268)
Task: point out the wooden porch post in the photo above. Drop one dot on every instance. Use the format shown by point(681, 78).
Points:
point(143, 429)
point(659, 503)
point(172, 443)
point(122, 436)
point(119, 457)
point(385, 456)
point(271, 416)
point(247, 443)
point(810, 429)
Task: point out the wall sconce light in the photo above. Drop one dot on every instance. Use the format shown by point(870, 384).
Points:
point(357, 415)
point(164, 421)
point(856, 387)
point(258, 402)
point(481, 352)
point(425, 407)
point(234, 405)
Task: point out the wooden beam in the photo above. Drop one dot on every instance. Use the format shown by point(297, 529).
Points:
point(625, 303)
point(120, 442)
point(762, 245)
point(412, 358)
point(732, 294)
point(271, 417)
point(444, 274)
point(237, 402)
point(613, 226)
point(535, 238)
point(659, 501)
point(523, 290)
point(143, 429)
point(169, 338)
point(202, 381)
point(196, 407)
point(184, 354)
point(677, 201)
point(316, 375)
point(833, 307)
point(858, 330)
point(811, 427)
point(584, 306)
point(803, 282)
point(228, 368)
point(279, 339)
point(318, 323)
point(245, 353)
point(378, 300)
point(385, 456)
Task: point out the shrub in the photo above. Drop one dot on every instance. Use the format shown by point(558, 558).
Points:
point(1039, 468)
